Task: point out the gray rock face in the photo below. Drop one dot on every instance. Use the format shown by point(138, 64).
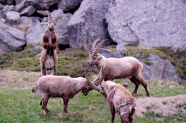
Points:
point(3, 1)
point(44, 4)
point(6, 9)
point(10, 2)
point(35, 33)
point(160, 70)
point(29, 20)
point(68, 5)
point(28, 11)
point(87, 24)
point(24, 4)
point(13, 17)
point(18, 1)
point(109, 53)
point(151, 23)
point(120, 47)
point(61, 27)
point(11, 39)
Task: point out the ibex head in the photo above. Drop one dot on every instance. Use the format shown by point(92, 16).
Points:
point(51, 22)
point(94, 84)
point(94, 57)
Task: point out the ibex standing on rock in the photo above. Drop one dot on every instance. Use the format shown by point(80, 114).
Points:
point(120, 100)
point(49, 57)
point(115, 68)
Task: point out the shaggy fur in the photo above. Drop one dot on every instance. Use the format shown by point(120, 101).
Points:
point(59, 86)
point(49, 49)
point(115, 68)
point(120, 100)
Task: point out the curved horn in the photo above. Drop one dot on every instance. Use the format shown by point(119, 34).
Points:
point(99, 46)
point(59, 17)
point(91, 84)
point(49, 15)
point(93, 46)
point(101, 77)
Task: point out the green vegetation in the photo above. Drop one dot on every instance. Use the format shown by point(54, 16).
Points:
point(177, 58)
point(20, 105)
point(71, 62)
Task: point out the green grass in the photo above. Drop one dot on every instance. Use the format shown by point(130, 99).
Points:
point(20, 105)
point(23, 106)
point(71, 62)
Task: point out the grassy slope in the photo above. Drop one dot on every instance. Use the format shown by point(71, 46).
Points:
point(18, 104)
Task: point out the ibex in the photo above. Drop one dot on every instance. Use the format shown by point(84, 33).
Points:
point(115, 68)
point(49, 57)
point(59, 86)
point(120, 100)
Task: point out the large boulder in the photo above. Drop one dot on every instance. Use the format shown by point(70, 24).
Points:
point(44, 4)
point(6, 9)
point(28, 11)
point(24, 4)
point(109, 53)
point(10, 2)
point(24, 20)
point(11, 39)
point(35, 33)
point(61, 27)
point(87, 24)
point(18, 1)
point(68, 5)
point(160, 69)
point(151, 23)
point(13, 17)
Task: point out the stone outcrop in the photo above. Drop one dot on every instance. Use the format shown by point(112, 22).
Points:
point(160, 69)
point(87, 24)
point(11, 39)
point(13, 17)
point(69, 5)
point(148, 23)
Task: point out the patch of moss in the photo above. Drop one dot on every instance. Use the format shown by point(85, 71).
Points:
point(70, 62)
point(27, 64)
point(179, 59)
point(7, 60)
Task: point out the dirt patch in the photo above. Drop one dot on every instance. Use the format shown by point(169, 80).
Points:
point(17, 79)
point(164, 106)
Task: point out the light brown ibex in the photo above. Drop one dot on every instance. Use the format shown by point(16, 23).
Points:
point(59, 86)
point(120, 100)
point(115, 68)
point(49, 57)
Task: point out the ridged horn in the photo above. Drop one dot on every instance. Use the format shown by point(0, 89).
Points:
point(93, 46)
point(101, 75)
point(59, 17)
point(49, 15)
point(99, 46)
point(91, 84)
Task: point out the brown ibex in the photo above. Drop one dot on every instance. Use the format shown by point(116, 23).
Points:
point(49, 57)
point(59, 86)
point(120, 100)
point(115, 68)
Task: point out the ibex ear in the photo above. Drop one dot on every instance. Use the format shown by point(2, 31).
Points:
point(99, 57)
